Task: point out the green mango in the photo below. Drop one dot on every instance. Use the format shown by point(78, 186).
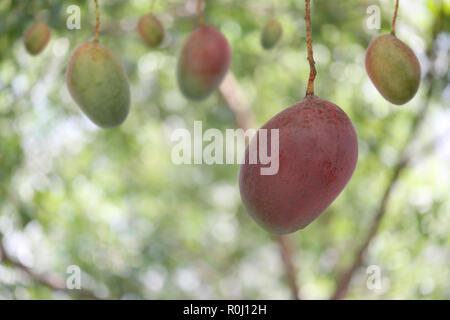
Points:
point(203, 63)
point(36, 37)
point(271, 34)
point(151, 30)
point(393, 68)
point(98, 84)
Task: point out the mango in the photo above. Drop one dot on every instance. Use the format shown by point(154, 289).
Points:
point(203, 62)
point(271, 34)
point(151, 30)
point(318, 152)
point(36, 37)
point(98, 84)
point(393, 68)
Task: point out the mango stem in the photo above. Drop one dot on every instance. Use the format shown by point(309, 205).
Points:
point(152, 4)
point(35, 10)
point(97, 20)
point(312, 64)
point(395, 18)
point(201, 20)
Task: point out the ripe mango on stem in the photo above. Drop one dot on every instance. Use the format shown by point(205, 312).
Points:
point(203, 62)
point(151, 30)
point(271, 34)
point(318, 151)
point(98, 84)
point(36, 37)
point(393, 68)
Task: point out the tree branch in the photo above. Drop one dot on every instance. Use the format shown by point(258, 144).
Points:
point(286, 256)
point(51, 281)
point(238, 105)
point(236, 101)
point(345, 279)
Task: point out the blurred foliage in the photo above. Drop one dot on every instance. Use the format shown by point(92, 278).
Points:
point(112, 202)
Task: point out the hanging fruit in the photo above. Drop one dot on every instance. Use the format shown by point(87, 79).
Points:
point(203, 62)
point(98, 83)
point(151, 29)
point(393, 67)
point(271, 34)
point(37, 35)
point(318, 152)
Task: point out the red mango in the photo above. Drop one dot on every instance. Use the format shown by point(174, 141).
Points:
point(318, 151)
point(203, 62)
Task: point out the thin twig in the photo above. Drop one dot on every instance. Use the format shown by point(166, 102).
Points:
point(286, 256)
point(237, 102)
point(395, 18)
point(201, 19)
point(272, 10)
point(50, 282)
point(312, 64)
point(97, 20)
point(35, 10)
point(152, 5)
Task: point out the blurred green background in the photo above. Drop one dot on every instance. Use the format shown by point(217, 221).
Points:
point(138, 226)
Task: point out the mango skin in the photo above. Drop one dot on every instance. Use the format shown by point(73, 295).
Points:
point(203, 63)
point(36, 37)
point(393, 68)
point(318, 152)
point(271, 34)
point(98, 84)
point(151, 30)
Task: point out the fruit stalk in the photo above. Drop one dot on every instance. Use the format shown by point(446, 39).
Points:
point(272, 10)
point(312, 64)
point(395, 18)
point(201, 19)
point(152, 4)
point(97, 20)
point(35, 10)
